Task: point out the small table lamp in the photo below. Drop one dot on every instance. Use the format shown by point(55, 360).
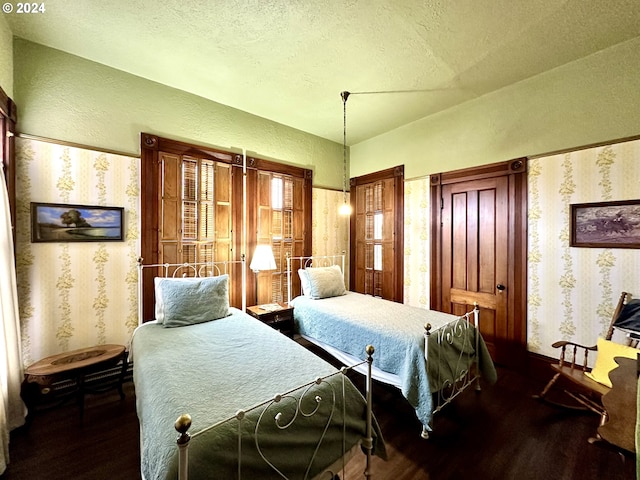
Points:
point(262, 260)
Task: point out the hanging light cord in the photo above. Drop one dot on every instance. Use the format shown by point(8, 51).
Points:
point(345, 96)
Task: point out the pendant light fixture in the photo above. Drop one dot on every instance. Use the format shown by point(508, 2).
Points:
point(345, 208)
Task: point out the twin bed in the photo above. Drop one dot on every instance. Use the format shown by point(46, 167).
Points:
point(262, 406)
point(338, 320)
point(259, 405)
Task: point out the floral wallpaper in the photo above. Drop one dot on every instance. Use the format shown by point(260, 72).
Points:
point(78, 294)
point(572, 291)
point(416, 242)
point(74, 295)
point(330, 230)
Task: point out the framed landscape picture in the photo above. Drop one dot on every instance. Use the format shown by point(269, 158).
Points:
point(56, 222)
point(606, 224)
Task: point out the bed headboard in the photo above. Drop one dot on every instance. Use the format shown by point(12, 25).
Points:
point(146, 274)
point(295, 263)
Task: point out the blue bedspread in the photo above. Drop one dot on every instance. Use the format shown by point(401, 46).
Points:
point(213, 369)
point(396, 331)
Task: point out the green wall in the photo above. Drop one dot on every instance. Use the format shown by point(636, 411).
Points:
point(6, 57)
point(595, 99)
point(68, 98)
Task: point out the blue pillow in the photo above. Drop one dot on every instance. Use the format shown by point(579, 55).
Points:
point(187, 301)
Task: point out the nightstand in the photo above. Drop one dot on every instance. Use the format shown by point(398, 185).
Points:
point(281, 319)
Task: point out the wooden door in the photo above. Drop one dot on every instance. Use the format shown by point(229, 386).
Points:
point(481, 226)
point(474, 232)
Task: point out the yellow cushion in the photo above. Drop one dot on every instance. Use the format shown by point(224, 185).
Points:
point(605, 362)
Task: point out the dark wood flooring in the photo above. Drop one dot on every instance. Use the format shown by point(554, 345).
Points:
point(499, 433)
point(57, 446)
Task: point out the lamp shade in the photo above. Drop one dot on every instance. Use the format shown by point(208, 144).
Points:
point(263, 259)
point(344, 209)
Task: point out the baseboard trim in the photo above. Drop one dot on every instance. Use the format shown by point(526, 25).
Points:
point(539, 366)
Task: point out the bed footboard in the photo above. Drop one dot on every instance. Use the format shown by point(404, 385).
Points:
point(275, 415)
point(452, 354)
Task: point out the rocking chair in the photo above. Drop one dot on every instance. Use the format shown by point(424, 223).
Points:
point(595, 383)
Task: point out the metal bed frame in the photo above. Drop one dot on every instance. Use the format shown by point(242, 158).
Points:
point(265, 409)
point(183, 423)
point(467, 324)
point(198, 269)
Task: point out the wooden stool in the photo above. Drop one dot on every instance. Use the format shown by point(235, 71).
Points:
point(74, 365)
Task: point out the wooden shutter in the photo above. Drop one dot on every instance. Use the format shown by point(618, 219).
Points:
point(163, 214)
point(264, 234)
point(223, 204)
point(386, 242)
point(281, 223)
point(195, 212)
point(376, 234)
point(170, 215)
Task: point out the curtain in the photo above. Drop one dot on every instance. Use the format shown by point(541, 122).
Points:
point(12, 410)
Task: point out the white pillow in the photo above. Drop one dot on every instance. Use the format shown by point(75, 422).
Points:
point(325, 282)
point(304, 281)
point(186, 301)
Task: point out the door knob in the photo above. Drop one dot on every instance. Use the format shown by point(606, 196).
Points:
point(500, 287)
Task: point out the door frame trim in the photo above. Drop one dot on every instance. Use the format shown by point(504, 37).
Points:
point(516, 170)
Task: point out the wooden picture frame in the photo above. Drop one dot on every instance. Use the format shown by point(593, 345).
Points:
point(613, 224)
point(57, 222)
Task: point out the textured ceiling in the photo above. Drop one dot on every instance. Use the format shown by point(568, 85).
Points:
point(288, 60)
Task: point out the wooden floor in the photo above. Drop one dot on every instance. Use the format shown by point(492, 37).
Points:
point(500, 433)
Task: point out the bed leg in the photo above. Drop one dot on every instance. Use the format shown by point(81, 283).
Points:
point(183, 423)
point(476, 321)
point(368, 441)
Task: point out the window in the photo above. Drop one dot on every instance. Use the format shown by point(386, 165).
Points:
point(198, 195)
point(192, 211)
point(276, 226)
point(373, 239)
point(194, 215)
point(376, 260)
point(8, 115)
